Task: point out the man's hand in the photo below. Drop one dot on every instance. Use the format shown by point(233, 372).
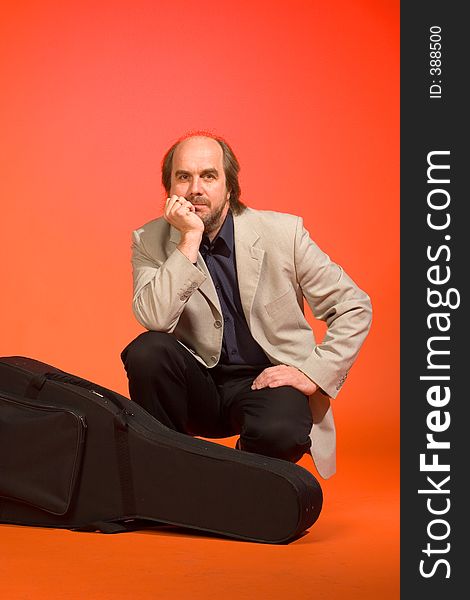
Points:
point(180, 213)
point(284, 375)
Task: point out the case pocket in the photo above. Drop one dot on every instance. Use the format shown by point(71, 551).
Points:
point(41, 448)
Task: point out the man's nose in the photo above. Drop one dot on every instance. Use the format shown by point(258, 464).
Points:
point(195, 187)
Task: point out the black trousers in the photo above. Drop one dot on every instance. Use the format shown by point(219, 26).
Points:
point(166, 380)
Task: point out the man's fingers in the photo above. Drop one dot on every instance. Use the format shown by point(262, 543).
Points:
point(274, 382)
point(185, 205)
point(177, 206)
point(276, 376)
point(170, 202)
point(176, 201)
point(270, 377)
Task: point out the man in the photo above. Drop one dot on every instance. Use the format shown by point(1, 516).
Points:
point(220, 287)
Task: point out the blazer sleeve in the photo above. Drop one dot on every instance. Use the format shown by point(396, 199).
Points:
point(334, 298)
point(161, 286)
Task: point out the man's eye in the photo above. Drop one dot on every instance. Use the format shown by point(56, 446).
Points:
point(209, 176)
point(183, 176)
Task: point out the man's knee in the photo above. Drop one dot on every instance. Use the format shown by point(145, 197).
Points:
point(148, 350)
point(277, 438)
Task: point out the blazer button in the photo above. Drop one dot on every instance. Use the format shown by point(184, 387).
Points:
point(217, 324)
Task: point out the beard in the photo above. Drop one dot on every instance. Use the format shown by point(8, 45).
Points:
point(212, 220)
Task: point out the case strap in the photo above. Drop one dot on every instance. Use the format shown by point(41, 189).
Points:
point(104, 527)
point(119, 525)
point(123, 455)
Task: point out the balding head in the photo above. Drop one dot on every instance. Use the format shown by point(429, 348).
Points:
point(204, 142)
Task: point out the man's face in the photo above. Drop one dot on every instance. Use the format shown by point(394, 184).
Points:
point(198, 174)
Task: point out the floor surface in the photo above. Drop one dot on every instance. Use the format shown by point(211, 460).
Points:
point(351, 552)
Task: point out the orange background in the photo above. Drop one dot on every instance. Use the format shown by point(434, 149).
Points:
point(307, 94)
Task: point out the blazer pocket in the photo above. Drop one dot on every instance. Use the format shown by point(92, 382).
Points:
point(285, 304)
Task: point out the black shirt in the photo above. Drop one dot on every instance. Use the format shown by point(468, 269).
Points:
point(238, 345)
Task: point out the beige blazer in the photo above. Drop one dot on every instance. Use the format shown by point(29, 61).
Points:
point(278, 265)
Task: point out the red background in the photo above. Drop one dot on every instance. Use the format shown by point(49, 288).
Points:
point(307, 94)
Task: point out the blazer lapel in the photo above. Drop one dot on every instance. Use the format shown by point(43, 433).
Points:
point(207, 287)
point(249, 262)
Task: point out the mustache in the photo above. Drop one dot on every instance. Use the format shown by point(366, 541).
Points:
point(197, 201)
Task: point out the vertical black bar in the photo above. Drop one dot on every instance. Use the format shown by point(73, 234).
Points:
point(435, 252)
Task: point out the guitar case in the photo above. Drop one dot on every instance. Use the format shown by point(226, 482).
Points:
point(76, 455)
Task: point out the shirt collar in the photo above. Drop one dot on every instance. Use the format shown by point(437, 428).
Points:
point(223, 241)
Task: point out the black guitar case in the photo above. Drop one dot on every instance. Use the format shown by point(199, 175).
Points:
point(79, 456)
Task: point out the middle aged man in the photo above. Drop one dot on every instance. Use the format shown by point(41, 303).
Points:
point(220, 287)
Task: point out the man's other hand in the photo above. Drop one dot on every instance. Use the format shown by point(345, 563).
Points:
point(284, 375)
